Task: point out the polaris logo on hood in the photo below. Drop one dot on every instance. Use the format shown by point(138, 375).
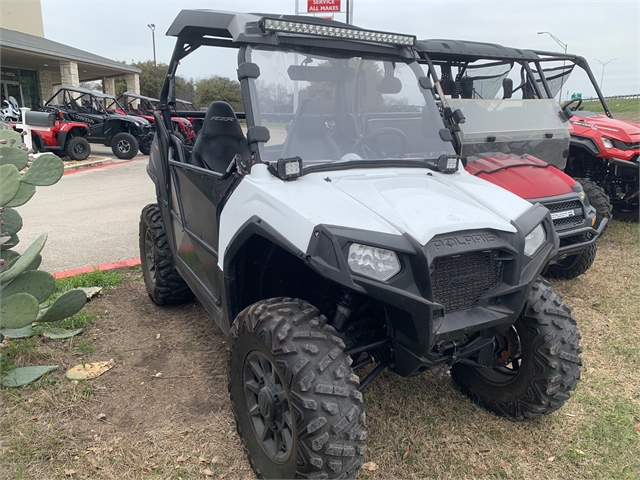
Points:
point(464, 240)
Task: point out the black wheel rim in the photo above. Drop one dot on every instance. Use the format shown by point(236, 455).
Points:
point(78, 149)
point(268, 407)
point(509, 347)
point(149, 262)
point(124, 146)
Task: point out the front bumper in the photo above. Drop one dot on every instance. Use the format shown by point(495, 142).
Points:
point(435, 307)
point(573, 220)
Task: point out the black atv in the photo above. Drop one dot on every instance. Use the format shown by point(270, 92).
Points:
point(352, 238)
point(125, 134)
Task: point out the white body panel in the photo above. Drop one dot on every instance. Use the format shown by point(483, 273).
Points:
point(394, 201)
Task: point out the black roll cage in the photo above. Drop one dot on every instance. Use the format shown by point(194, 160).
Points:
point(190, 37)
point(424, 57)
point(580, 62)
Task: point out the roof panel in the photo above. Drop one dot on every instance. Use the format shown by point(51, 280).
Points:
point(470, 51)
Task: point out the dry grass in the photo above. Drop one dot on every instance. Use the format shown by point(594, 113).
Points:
point(181, 427)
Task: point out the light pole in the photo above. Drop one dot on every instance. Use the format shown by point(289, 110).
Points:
point(563, 45)
point(152, 26)
point(604, 64)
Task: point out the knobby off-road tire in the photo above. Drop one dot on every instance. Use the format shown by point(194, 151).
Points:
point(549, 364)
point(626, 213)
point(145, 148)
point(164, 283)
point(124, 146)
point(78, 148)
point(287, 368)
point(574, 265)
point(598, 199)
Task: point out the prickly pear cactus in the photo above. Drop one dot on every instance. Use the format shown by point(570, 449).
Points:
point(23, 288)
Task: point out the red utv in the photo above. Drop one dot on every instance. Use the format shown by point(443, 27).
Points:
point(515, 138)
point(186, 106)
point(603, 149)
point(138, 105)
point(51, 133)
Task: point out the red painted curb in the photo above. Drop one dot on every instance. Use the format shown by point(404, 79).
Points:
point(78, 170)
point(105, 266)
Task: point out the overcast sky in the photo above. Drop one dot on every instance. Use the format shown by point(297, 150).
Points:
point(594, 29)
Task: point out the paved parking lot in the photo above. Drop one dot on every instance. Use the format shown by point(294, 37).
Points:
point(91, 215)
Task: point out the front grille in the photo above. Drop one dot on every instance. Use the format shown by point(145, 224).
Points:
point(459, 281)
point(557, 207)
point(566, 222)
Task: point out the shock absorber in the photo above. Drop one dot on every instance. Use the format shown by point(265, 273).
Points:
point(344, 307)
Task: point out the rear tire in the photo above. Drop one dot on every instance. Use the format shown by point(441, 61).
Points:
point(78, 148)
point(295, 398)
point(573, 265)
point(597, 199)
point(164, 283)
point(145, 148)
point(545, 345)
point(124, 146)
point(625, 213)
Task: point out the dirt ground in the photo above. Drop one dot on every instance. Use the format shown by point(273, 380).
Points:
point(166, 401)
point(168, 413)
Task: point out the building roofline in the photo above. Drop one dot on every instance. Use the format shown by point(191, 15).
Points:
point(43, 46)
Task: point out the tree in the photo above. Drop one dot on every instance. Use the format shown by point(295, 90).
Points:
point(185, 89)
point(219, 88)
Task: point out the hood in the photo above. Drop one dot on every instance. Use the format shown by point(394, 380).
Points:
point(427, 204)
point(608, 127)
point(395, 201)
point(137, 120)
point(526, 176)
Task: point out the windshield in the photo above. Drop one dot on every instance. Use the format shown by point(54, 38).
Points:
point(517, 126)
point(325, 109)
point(502, 112)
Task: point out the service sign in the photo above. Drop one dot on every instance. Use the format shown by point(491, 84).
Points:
point(323, 6)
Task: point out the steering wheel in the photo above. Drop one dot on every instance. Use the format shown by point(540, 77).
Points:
point(566, 105)
point(369, 140)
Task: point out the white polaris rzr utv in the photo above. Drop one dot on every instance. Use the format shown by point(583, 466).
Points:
point(342, 231)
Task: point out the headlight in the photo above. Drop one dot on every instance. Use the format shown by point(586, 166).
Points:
point(607, 142)
point(534, 240)
point(373, 262)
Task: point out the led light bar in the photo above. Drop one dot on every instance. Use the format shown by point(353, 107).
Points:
point(337, 32)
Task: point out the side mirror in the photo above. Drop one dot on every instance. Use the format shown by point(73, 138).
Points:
point(507, 88)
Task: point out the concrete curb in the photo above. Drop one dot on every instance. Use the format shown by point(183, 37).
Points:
point(94, 163)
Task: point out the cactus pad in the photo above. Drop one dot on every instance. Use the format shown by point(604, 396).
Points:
point(38, 283)
point(18, 310)
point(66, 305)
point(13, 156)
point(9, 183)
point(10, 134)
point(23, 332)
point(25, 260)
point(45, 170)
point(9, 256)
point(9, 241)
point(25, 192)
point(19, 377)
point(11, 221)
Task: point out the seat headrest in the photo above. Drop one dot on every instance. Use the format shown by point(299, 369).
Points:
point(308, 118)
point(221, 120)
point(448, 86)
